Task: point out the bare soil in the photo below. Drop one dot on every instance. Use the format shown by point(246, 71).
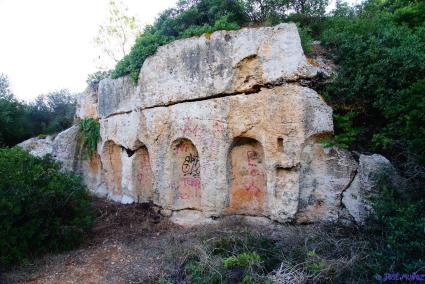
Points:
point(135, 244)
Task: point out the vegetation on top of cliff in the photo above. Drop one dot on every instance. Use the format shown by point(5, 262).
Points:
point(42, 209)
point(195, 17)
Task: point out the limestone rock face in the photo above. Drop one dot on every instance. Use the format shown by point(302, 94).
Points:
point(225, 62)
point(87, 104)
point(372, 169)
point(116, 96)
point(38, 146)
point(218, 125)
point(66, 148)
point(232, 155)
point(325, 174)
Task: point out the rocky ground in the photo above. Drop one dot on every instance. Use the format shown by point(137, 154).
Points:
point(134, 244)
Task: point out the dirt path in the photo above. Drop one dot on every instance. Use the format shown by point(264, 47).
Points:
point(134, 244)
point(129, 244)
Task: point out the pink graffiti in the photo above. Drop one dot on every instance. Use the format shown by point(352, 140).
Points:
point(213, 148)
point(182, 147)
point(188, 128)
point(251, 155)
point(145, 168)
point(191, 182)
point(141, 177)
point(254, 172)
point(184, 196)
point(187, 182)
point(253, 187)
point(218, 128)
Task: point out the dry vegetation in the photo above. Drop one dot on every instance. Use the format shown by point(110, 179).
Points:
point(134, 244)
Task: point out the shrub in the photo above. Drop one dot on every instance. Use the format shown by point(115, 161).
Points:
point(380, 78)
point(346, 132)
point(41, 208)
point(93, 79)
point(145, 45)
point(306, 40)
point(246, 258)
point(90, 134)
point(313, 263)
point(397, 232)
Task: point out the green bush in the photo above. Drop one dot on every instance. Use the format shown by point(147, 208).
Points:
point(247, 258)
point(145, 45)
point(306, 40)
point(313, 263)
point(405, 111)
point(346, 133)
point(93, 79)
point(397, 232)
point(380, 69)
point(90, 134)
point(41, 208)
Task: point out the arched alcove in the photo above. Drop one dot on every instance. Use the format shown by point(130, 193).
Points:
point(112, 168)
point(248, 177)
point(142, 175)
point(186, 175)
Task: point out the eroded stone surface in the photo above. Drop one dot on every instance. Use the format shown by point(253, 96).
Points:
point(225, 62)
point(372, 171)
point(186, 176)
point(87, 104)
point(142, 175)
point(325, 173)
point(239, 154)
point(216, 126)
point(248, 178)
point(116, 95)
point(38, 146)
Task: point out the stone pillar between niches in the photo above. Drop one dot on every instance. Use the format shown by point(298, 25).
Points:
point(112, 169)
point(248, 178)
point(186, 176)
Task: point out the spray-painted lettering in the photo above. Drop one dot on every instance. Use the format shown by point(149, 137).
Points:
point(191, 166)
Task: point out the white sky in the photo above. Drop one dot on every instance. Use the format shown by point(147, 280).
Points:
point(47, 45)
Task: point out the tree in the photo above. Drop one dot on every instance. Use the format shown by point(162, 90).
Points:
point(316, 8)
point(12, 115)
point(260, 11)
point(4, 86)
point(117, 36)
point(52, 112)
